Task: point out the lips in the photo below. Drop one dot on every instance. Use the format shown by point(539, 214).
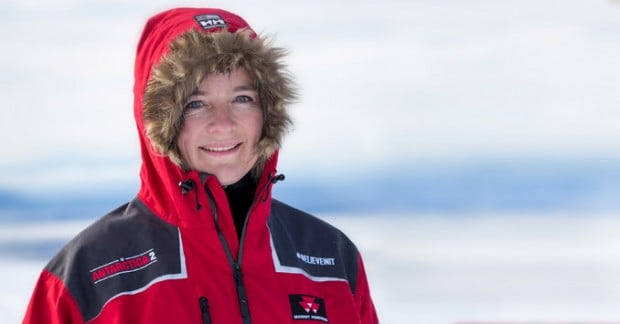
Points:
point(220, 149)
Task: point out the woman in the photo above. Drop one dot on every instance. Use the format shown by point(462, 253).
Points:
point(203, 241)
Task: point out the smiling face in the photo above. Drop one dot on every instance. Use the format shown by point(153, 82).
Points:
point(222, 126)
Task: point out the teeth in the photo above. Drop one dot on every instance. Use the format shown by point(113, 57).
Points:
point(220, 149)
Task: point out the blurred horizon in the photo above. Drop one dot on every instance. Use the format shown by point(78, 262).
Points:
point(489, 186)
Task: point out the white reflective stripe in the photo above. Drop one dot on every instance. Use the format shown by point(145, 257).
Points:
point(288, 269)
point(182, 257)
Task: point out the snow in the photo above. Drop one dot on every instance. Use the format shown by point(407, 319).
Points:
point(526, 268)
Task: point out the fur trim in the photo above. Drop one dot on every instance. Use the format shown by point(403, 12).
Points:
point(192, 56)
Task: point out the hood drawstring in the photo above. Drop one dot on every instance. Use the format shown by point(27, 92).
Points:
point(273, 178)
point(278, 177)
point(187, 186)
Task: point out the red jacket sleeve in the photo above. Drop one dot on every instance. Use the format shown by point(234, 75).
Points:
point(365, 305)
point(51, 303)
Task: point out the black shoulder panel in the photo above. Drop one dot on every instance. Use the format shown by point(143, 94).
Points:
point(122, 253)
point(306, 245)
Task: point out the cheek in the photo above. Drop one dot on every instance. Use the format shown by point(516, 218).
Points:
point(183, 142)
point(257, 127)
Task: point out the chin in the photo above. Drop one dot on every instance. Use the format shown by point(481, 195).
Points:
point(228, 178)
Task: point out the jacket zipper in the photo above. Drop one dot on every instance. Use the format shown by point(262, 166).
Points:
point(204, 309)
point(236, 264)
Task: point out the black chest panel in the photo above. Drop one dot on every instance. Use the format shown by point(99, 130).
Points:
point(306, 245)
point(123, 253)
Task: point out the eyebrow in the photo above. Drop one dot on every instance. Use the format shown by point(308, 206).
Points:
point(198, 92)
point(244, 88)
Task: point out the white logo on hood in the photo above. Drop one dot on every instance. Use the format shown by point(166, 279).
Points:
point(209, 21)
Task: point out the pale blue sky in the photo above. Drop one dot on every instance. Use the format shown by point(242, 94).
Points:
point(382, 82)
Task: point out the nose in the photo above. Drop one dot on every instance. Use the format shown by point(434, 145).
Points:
point(222, 120)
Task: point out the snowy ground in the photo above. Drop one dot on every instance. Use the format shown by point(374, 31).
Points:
point(428, 268)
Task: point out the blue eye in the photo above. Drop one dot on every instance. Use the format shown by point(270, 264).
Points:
point(194, 104)
point(243, 99)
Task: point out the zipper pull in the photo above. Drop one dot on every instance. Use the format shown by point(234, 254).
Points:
point(241, 294)
point(204, 309)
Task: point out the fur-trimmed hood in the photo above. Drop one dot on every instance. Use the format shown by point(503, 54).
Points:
point(178, 47)
point(221, 48)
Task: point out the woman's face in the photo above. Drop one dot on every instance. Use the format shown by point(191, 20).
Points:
point(223, 123)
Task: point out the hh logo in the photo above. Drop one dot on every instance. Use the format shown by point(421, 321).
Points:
point(210, 21)
point(306, 307)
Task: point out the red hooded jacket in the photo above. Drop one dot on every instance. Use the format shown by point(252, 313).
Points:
point(173, 255)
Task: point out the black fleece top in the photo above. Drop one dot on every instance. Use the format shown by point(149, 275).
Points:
point(240, 196)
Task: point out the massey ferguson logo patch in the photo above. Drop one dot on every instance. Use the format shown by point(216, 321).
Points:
point(210, 21)
point(123, 265)
point(306, 307)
